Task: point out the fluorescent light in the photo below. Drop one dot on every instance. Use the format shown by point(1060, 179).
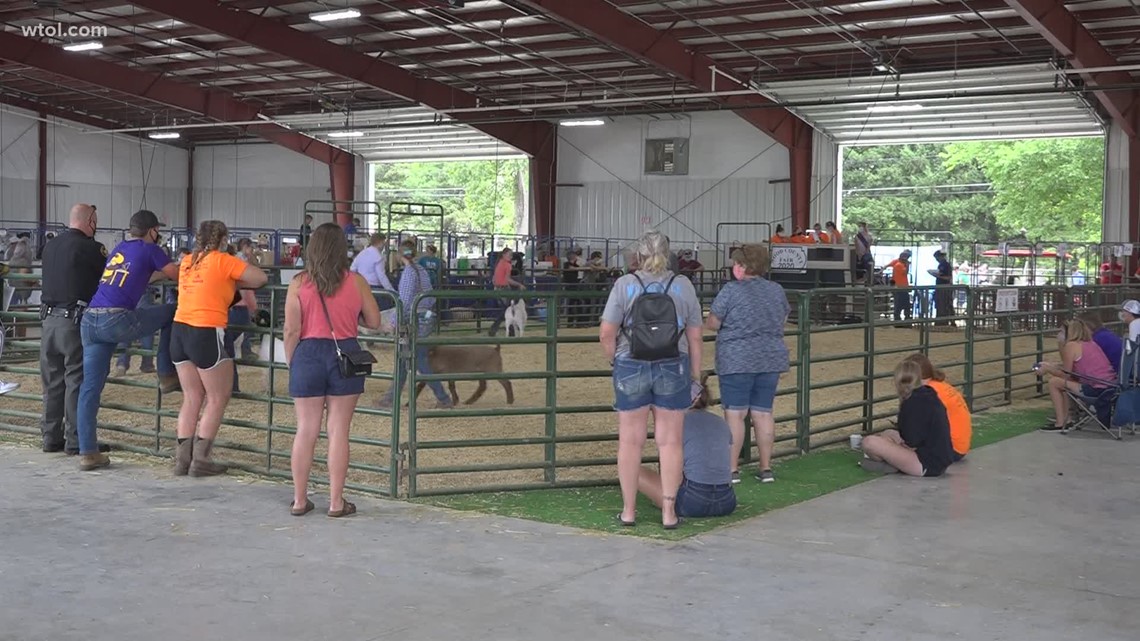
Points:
point(332, 16)
point(345, 134)
point(891, 108)
point(84, 46)
point(583, 123)
point(164, 135)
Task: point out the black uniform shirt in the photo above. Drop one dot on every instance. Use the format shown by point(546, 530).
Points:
point(73, 263)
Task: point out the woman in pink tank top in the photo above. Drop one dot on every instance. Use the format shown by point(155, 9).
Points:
point(1084, 369)
point(311, 339)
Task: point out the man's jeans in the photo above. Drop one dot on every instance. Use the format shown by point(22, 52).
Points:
point(425, 327)
point(102, 332)
point(146, 342)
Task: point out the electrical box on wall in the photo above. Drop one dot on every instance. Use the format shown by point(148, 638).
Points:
point(667, 156)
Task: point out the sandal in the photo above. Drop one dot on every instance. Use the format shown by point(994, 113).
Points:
point(303, 511)
point(347, 509)
point(674, 525)
point(623, 522)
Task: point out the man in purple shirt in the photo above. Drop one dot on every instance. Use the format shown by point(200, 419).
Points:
point(114, 317)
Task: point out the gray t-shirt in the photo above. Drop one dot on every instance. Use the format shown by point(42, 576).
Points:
point(627, 289)
point(751, 336)
point(708, 448)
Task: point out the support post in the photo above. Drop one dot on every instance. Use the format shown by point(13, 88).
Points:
point(343, 181)
point(1133, 189)
point(42, 200)
point(190, 189)
point(543, 178)
point(800, 158)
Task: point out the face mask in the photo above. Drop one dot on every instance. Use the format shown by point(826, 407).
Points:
point(738, 272)
point(1122, 316)
point(407, 253)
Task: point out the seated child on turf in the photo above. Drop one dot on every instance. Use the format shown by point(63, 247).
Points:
point(921, 445)
point(957, 411)
point(706, 489)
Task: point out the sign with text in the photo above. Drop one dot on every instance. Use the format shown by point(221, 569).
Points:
point(789, 258)
point(1006, 300)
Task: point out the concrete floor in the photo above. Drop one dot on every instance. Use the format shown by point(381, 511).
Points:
point(1004, 548)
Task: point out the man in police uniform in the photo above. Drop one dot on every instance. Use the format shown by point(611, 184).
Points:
point(72, 265)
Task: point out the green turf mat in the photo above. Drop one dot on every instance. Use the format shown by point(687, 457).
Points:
point(799, 479)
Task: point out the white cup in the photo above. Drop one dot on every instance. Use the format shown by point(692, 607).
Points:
point(856, 441)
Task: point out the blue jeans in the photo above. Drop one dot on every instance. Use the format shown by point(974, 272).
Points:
point(744, 392)
point(700, 500)
point(425, 327)
point(101, 333)
point(146, 342)
point(663, 384)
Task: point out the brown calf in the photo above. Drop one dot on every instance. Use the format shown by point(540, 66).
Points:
point(467, 359)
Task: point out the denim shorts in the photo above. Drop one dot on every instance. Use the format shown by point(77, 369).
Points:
point(662, 384)
point(743, 392)
point(700, 500)
point(315, 371)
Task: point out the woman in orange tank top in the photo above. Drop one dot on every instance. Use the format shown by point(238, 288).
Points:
point(311, 340)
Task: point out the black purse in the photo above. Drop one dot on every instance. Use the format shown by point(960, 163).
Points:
point(353, 363)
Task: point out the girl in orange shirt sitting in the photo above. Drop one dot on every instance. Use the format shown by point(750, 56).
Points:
point(961, 423)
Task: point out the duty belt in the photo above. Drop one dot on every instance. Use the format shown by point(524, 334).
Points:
point(62, 312)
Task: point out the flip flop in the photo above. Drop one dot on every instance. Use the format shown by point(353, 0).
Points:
point(623, 522)
point(303, 511)
point(674, 525)
point(347, 509)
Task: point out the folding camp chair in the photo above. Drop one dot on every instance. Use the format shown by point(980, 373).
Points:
point(1115, 404)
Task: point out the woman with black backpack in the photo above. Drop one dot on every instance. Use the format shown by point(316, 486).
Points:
point(651, 334)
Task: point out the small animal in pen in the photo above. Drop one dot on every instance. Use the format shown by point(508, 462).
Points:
point(468, 359)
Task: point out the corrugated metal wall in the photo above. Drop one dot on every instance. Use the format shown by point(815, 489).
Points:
point(688, 211)
point(824, 179)
point(1116, 187)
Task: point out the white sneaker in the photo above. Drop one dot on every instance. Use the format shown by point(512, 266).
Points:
point(6, 387)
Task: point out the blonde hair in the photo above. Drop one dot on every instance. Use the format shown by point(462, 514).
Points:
point(1076, 330)
point(908, 377)
point(210, 237)
point(653, 252)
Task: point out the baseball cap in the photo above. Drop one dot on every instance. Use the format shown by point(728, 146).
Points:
point(144, 219)
point(938, 252)
point(1132, 307)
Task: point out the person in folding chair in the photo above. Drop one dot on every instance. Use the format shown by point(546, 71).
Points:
point(1084, 372)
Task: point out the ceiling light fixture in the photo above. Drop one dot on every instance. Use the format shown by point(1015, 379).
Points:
point(333, 16)
point(895, 107)
point(583, 123)
point(83, 46)
point(345, 134)
point(164, 135)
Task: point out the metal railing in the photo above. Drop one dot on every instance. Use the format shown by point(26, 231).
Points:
point(561, 432)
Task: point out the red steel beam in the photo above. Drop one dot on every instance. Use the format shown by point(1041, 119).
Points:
point(151, 86)
point(1073, 40)
point(311, 49)
point(800, 175)
point(665, 52)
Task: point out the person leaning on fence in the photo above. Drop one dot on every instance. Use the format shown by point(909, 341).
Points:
point(501, 279)
point(921, 445)
point(595, 278)
point(432, 263)
point(114, 317)
point(322, 310)
point(748, 315)
point(1083, 369)
point(415, 281)
point(208, 282)
point(651, 333)
point(706, 488)
point(957, 410)
point(371, 264)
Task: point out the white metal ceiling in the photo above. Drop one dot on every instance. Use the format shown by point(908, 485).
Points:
point(1022, 101)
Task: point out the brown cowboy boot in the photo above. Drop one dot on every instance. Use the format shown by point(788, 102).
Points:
point(202, 465)
point(183, 455)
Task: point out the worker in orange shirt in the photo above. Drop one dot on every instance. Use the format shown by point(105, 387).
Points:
point(821, 236)
point(900, 278)
point(833, 232)
point(801, 237)
point(779, 236)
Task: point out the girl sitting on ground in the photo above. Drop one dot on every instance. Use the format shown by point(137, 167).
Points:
point(957, 411)
point(1083, 369)
point(921, 445)
point(706, 487)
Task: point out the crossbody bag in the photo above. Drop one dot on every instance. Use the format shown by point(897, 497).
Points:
point(352, 363)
